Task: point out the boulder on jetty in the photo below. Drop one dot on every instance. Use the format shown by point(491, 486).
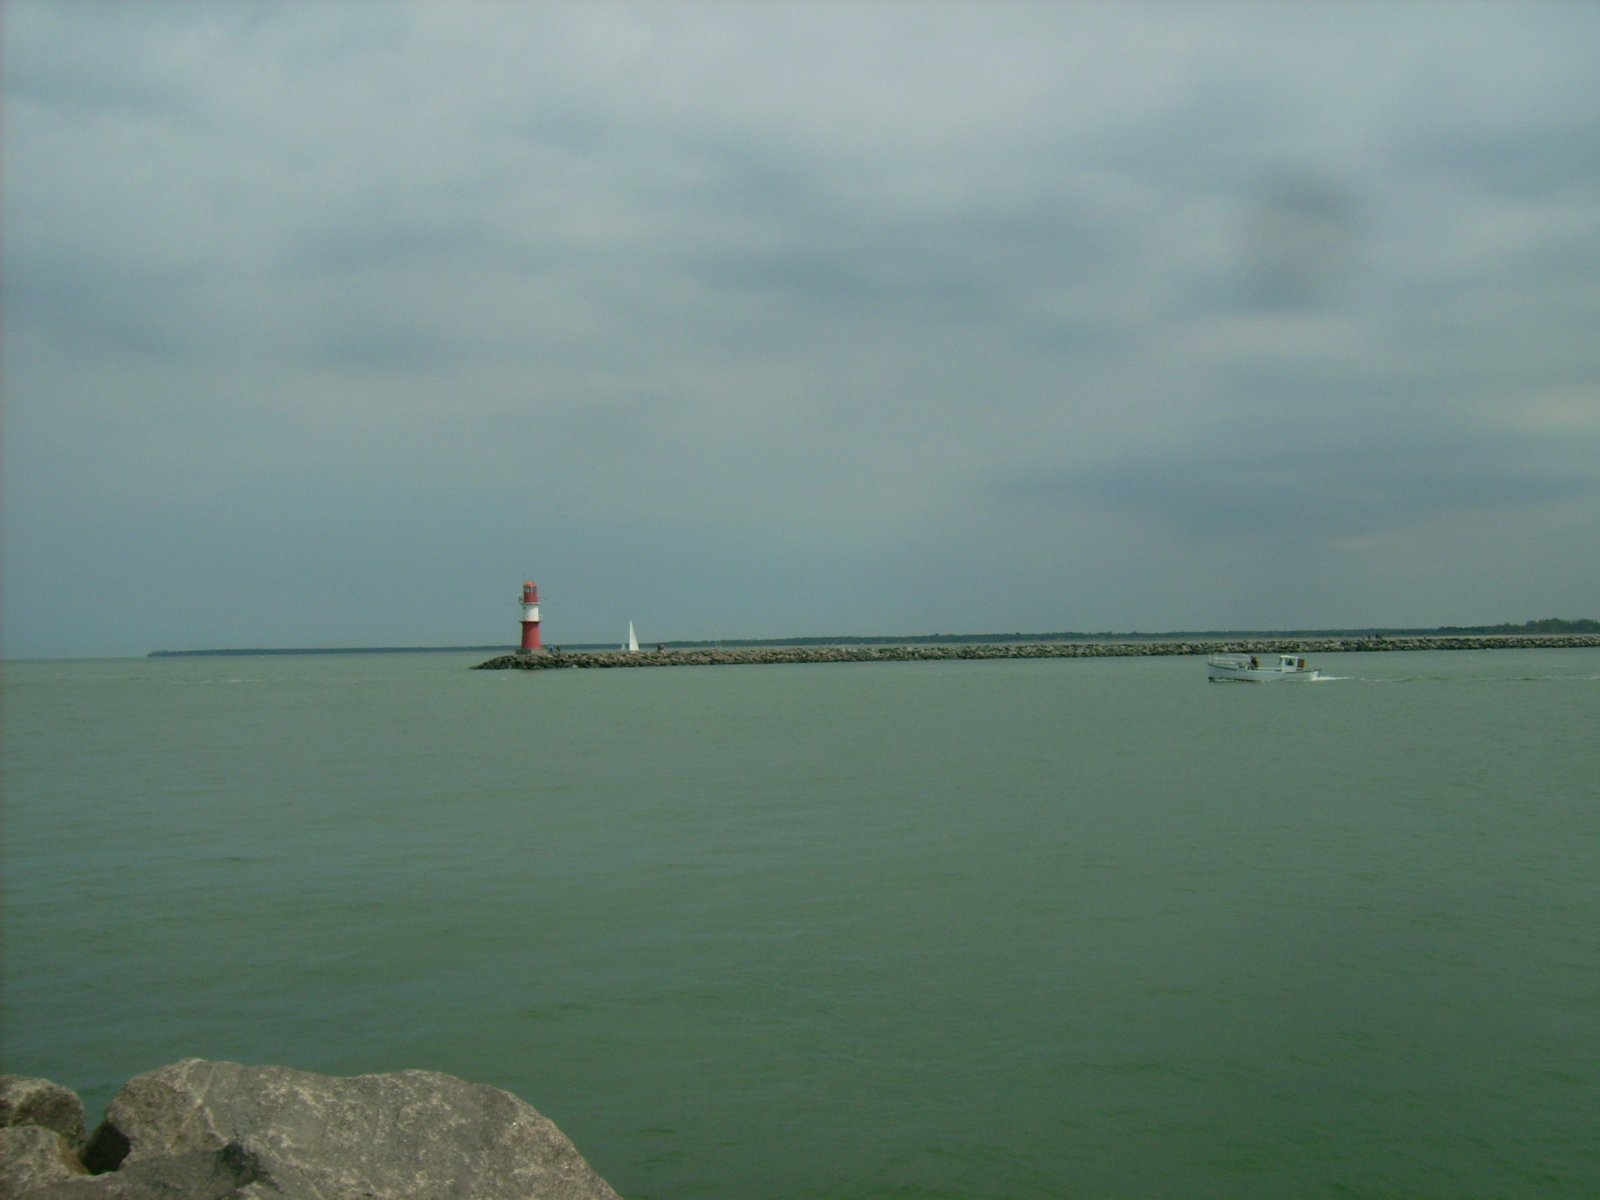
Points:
point(199, 1130)
point(41, 1134)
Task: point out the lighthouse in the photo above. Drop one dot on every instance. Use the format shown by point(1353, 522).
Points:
point(530, 617)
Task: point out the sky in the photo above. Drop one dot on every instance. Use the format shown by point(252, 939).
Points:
point(329, 323)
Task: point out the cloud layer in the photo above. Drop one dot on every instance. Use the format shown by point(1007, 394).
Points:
point(328, 324)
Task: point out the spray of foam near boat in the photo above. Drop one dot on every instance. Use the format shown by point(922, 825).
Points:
point(1247, 668)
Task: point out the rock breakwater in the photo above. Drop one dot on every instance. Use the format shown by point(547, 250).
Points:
point(753, 655)
point(200, 1130)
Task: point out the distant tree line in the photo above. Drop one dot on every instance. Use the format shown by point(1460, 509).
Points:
point(1549, 625)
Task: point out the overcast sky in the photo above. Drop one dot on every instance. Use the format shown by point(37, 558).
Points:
point(329, 323)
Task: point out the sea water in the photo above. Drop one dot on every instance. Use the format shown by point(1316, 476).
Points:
point(998, 929)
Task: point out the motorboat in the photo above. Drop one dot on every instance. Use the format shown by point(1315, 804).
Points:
point(1249, 668)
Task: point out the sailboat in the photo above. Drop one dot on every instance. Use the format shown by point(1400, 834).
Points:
point(633, 641)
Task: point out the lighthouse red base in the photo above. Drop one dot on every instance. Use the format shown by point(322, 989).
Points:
point(530, 618)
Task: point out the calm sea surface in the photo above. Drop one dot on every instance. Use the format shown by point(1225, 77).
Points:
point(1003, 929)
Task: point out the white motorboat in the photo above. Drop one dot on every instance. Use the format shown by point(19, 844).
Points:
point(1248, 668)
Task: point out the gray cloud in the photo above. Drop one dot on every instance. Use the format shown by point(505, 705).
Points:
point(685, 307)
point(1309, 494)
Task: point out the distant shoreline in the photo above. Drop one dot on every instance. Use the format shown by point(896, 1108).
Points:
point(247, 653)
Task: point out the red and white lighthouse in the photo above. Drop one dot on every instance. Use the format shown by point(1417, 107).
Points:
point(530, 617)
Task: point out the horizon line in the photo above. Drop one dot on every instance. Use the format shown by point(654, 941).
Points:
point(1544, 625)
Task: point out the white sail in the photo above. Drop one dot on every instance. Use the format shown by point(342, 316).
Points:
point(633, 641)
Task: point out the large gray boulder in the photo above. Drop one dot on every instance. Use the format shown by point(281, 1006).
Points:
point(200, 1130)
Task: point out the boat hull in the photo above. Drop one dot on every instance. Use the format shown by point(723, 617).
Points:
point(1228, 675)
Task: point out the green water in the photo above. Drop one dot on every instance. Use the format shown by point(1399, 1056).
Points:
point(1062, 928)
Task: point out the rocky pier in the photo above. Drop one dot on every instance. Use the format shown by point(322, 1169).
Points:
point(766, 655)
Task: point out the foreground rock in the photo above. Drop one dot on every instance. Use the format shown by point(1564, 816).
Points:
point(200, 1130)
point(41, 1133)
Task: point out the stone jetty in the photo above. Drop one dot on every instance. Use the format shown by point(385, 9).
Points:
point(199, 1130)
point(713, 657)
